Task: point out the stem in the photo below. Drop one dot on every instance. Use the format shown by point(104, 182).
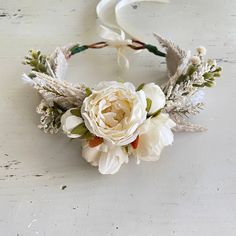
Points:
point(77, 49)
point(154, 50)
point(98, 45)
point(136, 45)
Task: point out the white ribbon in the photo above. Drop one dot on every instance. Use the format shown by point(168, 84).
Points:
point(109, 13)
point(118, 41)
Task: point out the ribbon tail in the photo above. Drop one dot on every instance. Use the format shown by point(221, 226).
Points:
point(106, 13)
point(109, 13)
point(128, 28)
point(122, 60)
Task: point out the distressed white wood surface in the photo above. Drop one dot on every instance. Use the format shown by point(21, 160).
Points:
point(191, 191)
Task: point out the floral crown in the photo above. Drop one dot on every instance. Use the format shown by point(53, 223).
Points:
point(115, 120)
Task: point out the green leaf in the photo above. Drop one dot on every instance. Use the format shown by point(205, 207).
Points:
point(31, 75)
point(41, 68)
point(219, 69)
point(207, 75)
point(79, 129)
point(140, 87)
point(182, 78)
point(87, 135)
point(191, 70)
point(157, 113)
point(35, 54)
point(76, 112)
point(88, 92)
point(217, 74)
point(33, 63)
point(209, 84)
point(149, 104)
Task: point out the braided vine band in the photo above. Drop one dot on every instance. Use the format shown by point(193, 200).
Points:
point(135, 45)
point(115, 120)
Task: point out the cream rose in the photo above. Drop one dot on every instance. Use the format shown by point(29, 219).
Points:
point(155, 134)
point(114, 111)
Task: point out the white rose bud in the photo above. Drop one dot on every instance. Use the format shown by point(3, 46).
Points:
point(154, 94)
point(69, 122)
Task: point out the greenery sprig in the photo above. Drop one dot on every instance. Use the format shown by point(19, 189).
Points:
point(37, 61)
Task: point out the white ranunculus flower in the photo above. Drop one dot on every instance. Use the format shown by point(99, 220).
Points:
point(108, 157)
point(156, 95)
point(69, 122)
point(114, 111)
point(155, 134)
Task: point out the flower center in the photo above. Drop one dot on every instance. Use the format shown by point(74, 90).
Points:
point(115, 110)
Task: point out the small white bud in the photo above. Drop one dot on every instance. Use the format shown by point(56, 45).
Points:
point(195, 60)
point(201, 50)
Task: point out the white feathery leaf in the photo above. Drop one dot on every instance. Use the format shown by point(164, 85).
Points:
point(50, 68)
point(59, 91)
point(184, 126)
point(58, 64)
point(174, 55)
point(180, 70)
point(27, 80)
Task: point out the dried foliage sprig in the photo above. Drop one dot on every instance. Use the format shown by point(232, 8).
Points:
point(187, 77)
point(47, 77)
point(37, 61)
point(50, 120)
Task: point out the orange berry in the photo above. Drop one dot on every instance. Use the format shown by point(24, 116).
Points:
point(95, 141)
point(134, 144)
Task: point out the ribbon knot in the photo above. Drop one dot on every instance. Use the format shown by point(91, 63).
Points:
point(118, 41)
point(108, 12)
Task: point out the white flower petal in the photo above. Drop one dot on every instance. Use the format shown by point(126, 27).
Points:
point(69, 122)
point(91, 155)
point(111, 161)
point(65, 116)
point(72, 121)
point(154, 92)
point(154, 135)
point(108, 157)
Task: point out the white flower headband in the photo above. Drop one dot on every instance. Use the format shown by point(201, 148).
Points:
point(115, 120)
